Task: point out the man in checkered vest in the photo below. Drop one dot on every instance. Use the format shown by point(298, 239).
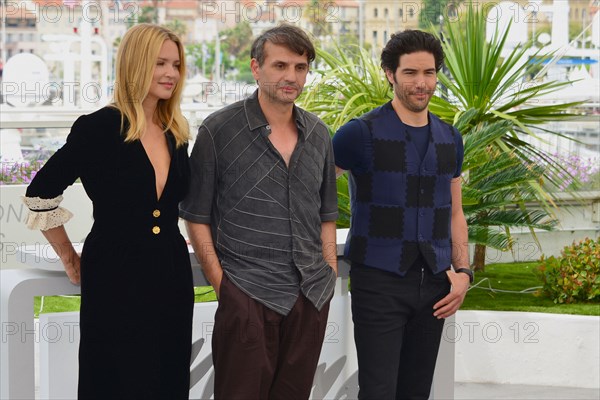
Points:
point(408, 235)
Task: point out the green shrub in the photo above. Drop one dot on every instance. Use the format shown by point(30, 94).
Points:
point(575, 275)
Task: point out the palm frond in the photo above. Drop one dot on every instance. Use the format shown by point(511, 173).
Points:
point(489, 237)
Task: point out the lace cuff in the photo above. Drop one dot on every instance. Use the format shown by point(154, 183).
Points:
point(45, 214)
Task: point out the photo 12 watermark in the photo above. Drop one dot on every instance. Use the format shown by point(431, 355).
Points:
point(63, 12)
point(50, 332)
point(491, 332)
point(268, 11)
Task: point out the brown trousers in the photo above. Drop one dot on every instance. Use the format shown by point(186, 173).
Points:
point(260, 354)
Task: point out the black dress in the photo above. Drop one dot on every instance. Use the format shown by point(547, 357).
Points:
point(136, 280)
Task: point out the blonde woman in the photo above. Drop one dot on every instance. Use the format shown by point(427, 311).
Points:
point(136, 282)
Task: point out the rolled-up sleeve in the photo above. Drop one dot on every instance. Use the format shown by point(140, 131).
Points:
point(197, 206)
point(329, 208)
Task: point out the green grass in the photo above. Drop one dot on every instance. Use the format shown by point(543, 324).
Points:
point(53, 304)
point(519, 279)
point(204, 294)
point(487, 293)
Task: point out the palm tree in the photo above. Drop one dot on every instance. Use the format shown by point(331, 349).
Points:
point(497, 187)
point(492, 107)
point(494, 85)
point(351, 84)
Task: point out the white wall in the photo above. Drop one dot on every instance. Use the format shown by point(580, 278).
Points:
point(492, 347)
point(526, 348)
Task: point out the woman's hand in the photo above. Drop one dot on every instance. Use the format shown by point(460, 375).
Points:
point(59, 240)
point(72, 268)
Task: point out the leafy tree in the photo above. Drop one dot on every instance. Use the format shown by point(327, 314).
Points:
point(237, 45)
point(148, 14)
point(235, 50)
point(238, 40)
point(431, 11)
point(178, 27)
point(317, 15)
point(203, 55)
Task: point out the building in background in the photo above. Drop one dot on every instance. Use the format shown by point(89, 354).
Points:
point(327, 21)
point(382, 18)
point(20, 31)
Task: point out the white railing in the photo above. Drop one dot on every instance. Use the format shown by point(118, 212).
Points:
point(62, 117)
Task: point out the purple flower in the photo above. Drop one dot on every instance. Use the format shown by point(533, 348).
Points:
point(19, 172)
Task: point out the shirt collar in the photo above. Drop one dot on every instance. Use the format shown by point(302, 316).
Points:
point(256, 117)
point(390, 108)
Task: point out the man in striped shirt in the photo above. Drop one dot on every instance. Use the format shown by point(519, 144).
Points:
point(261, 217)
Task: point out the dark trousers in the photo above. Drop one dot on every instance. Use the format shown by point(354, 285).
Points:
point(397, 337)
point(260, 354)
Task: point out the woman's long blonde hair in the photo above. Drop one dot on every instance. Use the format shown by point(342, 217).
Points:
point(136, 60)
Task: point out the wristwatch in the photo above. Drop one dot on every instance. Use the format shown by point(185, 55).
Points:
point(467, 271)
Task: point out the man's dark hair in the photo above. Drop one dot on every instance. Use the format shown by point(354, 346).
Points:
point(410, 41)
point(290, 36)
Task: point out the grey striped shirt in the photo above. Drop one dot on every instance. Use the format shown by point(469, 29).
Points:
point(265, 217)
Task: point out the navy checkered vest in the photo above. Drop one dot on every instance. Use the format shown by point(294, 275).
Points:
point(401, 206)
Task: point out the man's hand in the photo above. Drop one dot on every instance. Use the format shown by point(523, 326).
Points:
point(328, 239)
point(450, 304)
point(217, 278)
point(201, 239)
point(339, 172)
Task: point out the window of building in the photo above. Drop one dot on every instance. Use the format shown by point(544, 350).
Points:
point(573, 13)
point(12, 22)
point(385, 12)
point(401, 12)
point(375, 38)
point(411, 13)
point(375, 12)
point(385, 37)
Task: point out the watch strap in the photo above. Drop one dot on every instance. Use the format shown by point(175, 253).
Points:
point(467, 271)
